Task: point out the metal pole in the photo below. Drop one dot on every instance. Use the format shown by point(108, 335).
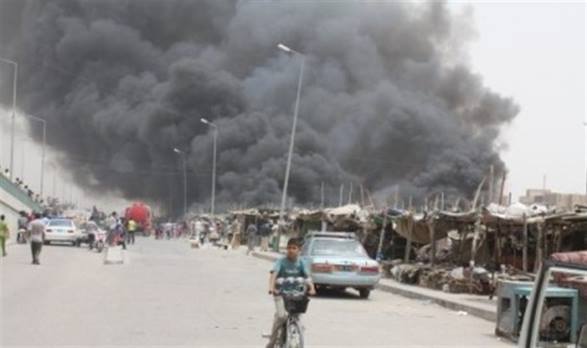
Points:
point(212, 204)
point(43, 158)
point(44, 124)
point(322, 195)
point(379, 256)
point(185, 186)
point(13, 118)
point(291, 144)
point(23, 149)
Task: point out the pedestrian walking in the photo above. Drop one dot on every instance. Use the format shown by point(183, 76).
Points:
point(235, 239)
point(122, 232)
point(251, 237)
point(265, 232)
point(4, 234)
point(37, 236)
point(131, 228)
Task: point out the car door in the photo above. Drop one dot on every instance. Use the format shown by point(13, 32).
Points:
point(556, 315)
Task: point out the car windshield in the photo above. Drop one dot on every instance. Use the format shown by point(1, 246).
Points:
point(337, 247)
point(60, 223)
point(560, 310)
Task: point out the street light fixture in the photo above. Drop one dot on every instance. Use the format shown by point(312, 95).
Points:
point(284, 48)
point(215, 137)
point(185, 180)
point(292, 139)
point(12, 121)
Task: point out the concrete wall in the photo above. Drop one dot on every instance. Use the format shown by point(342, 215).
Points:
point(13, 200)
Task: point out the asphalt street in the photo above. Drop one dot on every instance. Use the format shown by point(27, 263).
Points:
point(167, 294)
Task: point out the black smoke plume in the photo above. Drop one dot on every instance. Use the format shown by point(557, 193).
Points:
point(385, 100)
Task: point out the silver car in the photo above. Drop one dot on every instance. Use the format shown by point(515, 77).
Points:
point(338, 260)
point(62, 230)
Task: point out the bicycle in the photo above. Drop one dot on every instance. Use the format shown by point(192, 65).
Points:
point(291, 335)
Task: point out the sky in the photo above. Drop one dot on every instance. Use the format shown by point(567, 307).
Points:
point(531, 51)
point(535, 53)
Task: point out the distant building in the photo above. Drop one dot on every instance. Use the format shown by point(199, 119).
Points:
point(564, 201)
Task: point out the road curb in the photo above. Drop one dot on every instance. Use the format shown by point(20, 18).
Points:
point(264, 256)
point(452, 305)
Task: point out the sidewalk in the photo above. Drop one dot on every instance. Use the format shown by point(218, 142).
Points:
point(479, 306)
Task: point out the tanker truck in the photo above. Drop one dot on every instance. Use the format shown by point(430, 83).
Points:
point(141, 214)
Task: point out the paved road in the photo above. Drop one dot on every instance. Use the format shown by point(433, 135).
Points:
point(170, 295)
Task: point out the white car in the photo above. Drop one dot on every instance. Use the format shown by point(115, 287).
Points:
point(338, 260)
point(62, 230)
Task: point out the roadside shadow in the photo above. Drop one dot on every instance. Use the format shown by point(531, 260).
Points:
point(334, 294)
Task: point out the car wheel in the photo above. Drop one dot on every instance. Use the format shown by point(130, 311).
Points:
point(364, 293)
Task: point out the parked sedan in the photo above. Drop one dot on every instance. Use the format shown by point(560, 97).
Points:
point(338, 260)
point(62, 230)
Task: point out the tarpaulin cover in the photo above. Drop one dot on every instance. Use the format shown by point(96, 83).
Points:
point(575, 257)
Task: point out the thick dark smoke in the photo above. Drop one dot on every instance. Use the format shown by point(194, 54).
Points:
point(384, 101)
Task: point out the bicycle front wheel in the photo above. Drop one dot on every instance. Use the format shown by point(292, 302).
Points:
point(294, 335)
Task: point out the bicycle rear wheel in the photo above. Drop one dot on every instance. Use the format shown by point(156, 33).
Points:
point(294, 335)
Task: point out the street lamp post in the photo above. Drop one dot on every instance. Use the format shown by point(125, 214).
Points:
point(185, 181)
point(215, 137)
point(12, 121)
point(292, 138)
point(44, 123)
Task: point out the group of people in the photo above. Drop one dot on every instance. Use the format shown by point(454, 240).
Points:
point(121, 231)
point(171, 230)
point(258, 233)
point(23, 186)
point(34, 226)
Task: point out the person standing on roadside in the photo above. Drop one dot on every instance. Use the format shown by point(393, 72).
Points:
point(251, 237)
point(131, 227)
point(4, 234)
point(22, 223)
point(37, 236)
point(265, 232)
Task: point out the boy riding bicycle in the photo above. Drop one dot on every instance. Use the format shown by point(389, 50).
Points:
point(290, 266)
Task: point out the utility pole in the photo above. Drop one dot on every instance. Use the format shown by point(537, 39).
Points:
point(351, 193)
point(215, 138)
point(293, 134)
point(341, 194)
point(185, 180)
point(13, 118)
point(379, 255)
point(322, 195)
point(490, 186)
point(442, 201)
